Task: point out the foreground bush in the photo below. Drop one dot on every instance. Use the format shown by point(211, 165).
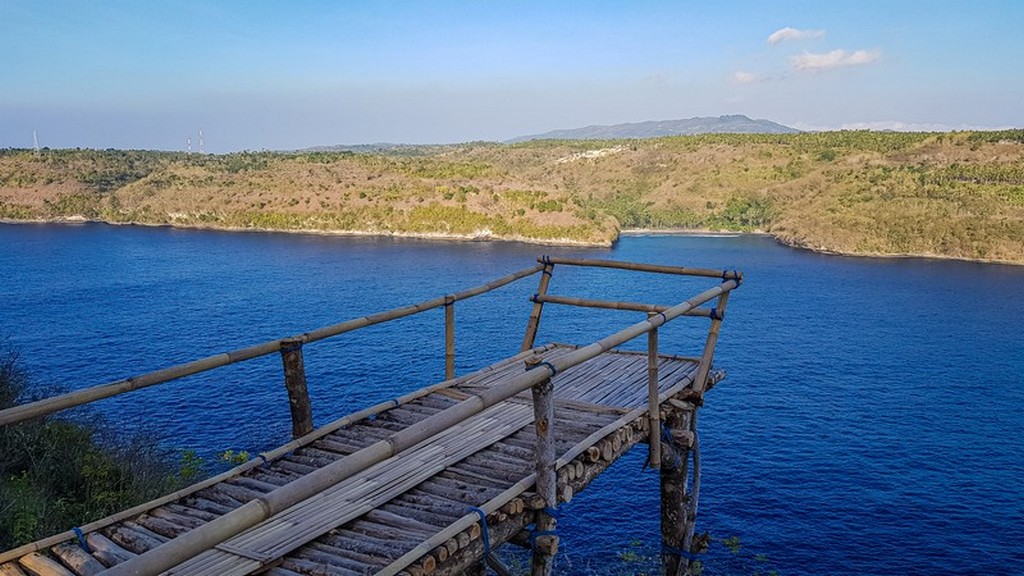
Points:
point(56, 474)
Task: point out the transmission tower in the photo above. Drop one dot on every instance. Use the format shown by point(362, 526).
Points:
point(201, 141)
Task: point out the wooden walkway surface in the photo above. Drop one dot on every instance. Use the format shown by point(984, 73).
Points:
point(378, 520)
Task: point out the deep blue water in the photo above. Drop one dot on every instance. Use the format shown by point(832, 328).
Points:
point(872, 421)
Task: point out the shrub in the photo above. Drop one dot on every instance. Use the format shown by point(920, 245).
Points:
point(55, 473)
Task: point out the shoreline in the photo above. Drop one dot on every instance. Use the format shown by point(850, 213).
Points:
point(435, 236)
point(564, 242)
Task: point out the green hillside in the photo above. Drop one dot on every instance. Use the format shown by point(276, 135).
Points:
point(957, 195)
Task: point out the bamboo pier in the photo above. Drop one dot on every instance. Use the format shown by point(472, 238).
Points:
point(432, 482)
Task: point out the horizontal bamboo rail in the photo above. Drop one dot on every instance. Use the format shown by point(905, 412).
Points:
point(88, 395)
point(248, 515)
point(638, 267)
point(614, 305)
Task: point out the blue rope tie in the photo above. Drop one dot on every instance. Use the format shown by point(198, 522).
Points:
point(715, 315)
point(81, 539)
point(666, 549)
point(535, 297)
point(666, 436)
point(545, 259)
point(483, 528)
point(547, 364)
point(664, 319)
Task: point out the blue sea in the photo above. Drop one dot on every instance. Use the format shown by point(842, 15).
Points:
point(872, 420)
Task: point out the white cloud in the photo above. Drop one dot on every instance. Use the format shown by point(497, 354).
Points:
point(741, 77)
point(788, 33)
point(835, 59)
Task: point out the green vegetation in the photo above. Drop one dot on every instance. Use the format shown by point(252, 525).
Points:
point(955, 194)
point(55, 474)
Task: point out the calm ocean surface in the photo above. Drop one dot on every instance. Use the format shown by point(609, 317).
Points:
point(872, 421)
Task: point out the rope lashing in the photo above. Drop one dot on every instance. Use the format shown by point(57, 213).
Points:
point(81, 539)
point(264, 458)
point(666, 549)
point(545, 259)
point(666, 437)
point(732, 275)
point(532, 527)
point(715, 315)
point(484, 532)
point(535, 298)
point(548, 365)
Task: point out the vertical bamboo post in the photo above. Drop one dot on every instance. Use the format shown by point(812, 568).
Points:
point(673, 474)
point(694, 498)
point(295, 383)
point(654, 439)
point(545, 542)
point(538, 307)
point(449, 337)
point(717, 313)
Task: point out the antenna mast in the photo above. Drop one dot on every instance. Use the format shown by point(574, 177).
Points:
point(35, 141)
point(201, 141)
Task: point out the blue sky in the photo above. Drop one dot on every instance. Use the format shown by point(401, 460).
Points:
point(284, 75)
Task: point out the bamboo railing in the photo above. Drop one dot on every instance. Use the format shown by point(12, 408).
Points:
point(538, 379)
point(88, 395)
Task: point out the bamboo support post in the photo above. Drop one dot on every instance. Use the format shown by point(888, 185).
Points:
point(545, 542)
point(295, 383)
point(538, 306)
point(449, 337)
point(654, 430)
point(673, 475)
point(694, 499)
point(700, 384)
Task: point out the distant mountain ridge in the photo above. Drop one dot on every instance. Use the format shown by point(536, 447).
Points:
point(729, 124)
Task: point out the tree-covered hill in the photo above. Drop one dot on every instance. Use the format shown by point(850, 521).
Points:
point(957, 195)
